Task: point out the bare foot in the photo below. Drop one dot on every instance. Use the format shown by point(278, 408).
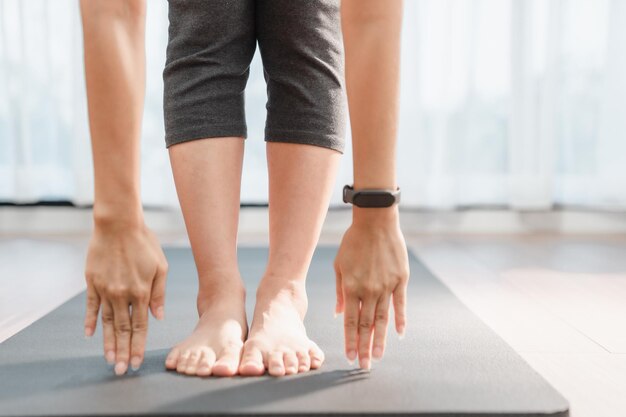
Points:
point(278, 341)
point(214, 347)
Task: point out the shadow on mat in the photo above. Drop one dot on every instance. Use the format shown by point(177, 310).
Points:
point(73, 375)
point(264, 390)
point(24, 379)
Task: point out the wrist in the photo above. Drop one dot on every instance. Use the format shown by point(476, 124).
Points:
point(375, 216)
point(113, 216)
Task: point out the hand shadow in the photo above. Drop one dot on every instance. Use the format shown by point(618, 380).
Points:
point(71, 377)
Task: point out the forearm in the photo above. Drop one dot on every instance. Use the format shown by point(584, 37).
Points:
point(113, 32)
point(371, 30)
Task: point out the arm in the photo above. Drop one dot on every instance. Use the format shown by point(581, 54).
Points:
point(372, 262)
point(125, 264)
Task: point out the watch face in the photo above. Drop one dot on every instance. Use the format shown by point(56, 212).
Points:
point(373, 199)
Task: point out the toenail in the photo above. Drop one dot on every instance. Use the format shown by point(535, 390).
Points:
point(120, 368)
point(377, 352)
point(135, 363)
point(110, 357)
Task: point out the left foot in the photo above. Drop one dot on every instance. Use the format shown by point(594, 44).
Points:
point(278, 341)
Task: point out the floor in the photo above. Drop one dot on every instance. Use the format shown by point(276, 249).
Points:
point(559, 301)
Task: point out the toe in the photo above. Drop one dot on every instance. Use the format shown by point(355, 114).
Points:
point(251, 361)
point(304, 361)
point(205, 364)
point(192, 363)
point(227, 362)
point(291, 363)
point(316, 355)
point(276, 365)
point(172, 359)
point(181, 366)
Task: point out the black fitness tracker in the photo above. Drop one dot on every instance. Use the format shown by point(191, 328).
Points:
point(371, 198)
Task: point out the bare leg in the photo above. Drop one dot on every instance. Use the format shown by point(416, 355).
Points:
point(208, 180)
point(301, 180)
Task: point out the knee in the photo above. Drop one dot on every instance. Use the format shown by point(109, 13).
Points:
point(128, 10)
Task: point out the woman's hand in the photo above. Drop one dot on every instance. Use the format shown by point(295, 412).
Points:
point(125, 268)
point(371, 267)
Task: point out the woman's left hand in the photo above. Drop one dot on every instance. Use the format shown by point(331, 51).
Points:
point(371, 268)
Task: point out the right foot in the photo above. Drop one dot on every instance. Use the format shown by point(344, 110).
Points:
point(278, 341)
point(214, 347)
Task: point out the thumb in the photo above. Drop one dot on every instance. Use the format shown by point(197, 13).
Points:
point(339, 307)
point(157, 296)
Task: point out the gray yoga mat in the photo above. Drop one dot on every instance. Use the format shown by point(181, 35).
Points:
point(449, 364)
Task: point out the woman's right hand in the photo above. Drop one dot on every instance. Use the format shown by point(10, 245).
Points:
point(125, 268)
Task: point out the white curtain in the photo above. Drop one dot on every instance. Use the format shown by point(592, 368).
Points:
point(514, 103)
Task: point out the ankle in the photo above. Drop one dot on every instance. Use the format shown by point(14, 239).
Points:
point(220, 288)
point(213, 279)
point(276, 286)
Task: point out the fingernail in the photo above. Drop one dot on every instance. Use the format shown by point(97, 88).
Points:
point(366, 364)
point(335, 315)
point(88, 332)
point(135, 363)
point(110, 357)
point(160, 313)
point(351, 356)
point(401, 333)
point(120, 368)
point(377, 353)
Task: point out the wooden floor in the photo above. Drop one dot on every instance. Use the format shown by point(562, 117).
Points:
point(558, 301)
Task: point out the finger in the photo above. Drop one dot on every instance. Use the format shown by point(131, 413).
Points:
point(108, 332)
point(93, 307)
point(123, 328)
point(351, 326)
point(139, 332)
point(381, 320)
point(366, 327)
point(339, 287)
point(157, 295)
point(399, 308)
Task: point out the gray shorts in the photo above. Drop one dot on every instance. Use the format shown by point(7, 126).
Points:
point(211, 45)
